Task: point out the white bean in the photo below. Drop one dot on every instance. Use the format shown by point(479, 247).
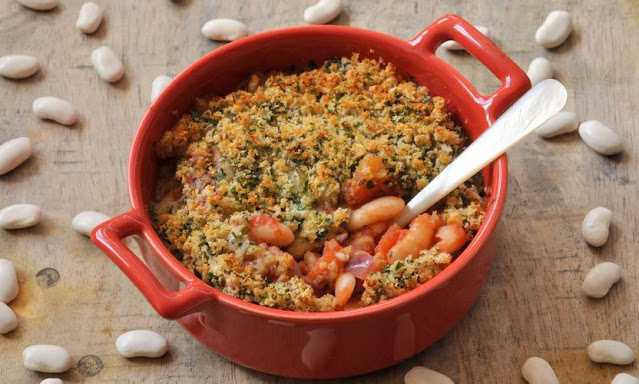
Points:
point(423, 375)
point(20, 216)
point(595, 227)
point(600, 138)
point(600, 279)
point(452, 45)
point(107, 64)
point(561, 123)
point(344, 287)
point(611, 351)
point(224, 29)
point(141, 343)
point(89, 18)
point(624, 378)
point(56, 109)
point(84, 222)
point(14, 152)
point(555, 29)
point(323, 11)
point(8, 281)
point(537, 371)
point(8, 319)
point(18, 66)
point(51, 381)
point(47, 358)
point(375, 211)
point(539, 69)
point(158, 85)
point(39, 5)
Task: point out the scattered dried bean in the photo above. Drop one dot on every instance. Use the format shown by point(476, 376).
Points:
point(141, 343)
point(600, 138)
point(561, 123)
point(8, 281)
point(18, 66)
point(158, 85)
point(539, 69)
point(624, 378)
point(84, 222)
point(8, 319)
point(555, 29)
point(596, 226)
point(611, 351)
point(537, 371)
point(14, 152)
point(39, 5)
point(20, 216)
point(224, 29)
point(423, 375)
point(600, 279)
point(107, 64)
point(89, 18)
point(47, 358)
point(56, 109)
point(452, 45)
point(323, 11)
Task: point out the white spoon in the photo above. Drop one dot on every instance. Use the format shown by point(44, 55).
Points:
point(527, 114)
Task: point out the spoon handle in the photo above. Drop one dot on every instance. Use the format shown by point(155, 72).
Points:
point(527, 114)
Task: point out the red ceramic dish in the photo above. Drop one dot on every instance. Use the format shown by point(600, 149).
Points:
point(316, 345)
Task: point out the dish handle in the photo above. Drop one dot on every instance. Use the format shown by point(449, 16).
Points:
point(169, 304)
point(514, 81)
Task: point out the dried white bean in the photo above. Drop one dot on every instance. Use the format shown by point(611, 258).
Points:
point(18, 66)
point(39, 5)
point(56, 109)
point(47, 358)
point(158, 85)
point(375, 211)
point(107, 64)
point(600, 138)
point(141, 343)
point(537, 371)
point(51, 381)
point(20, 216)
point(600, 279)
point(423, 375)
point(595, 227)
point(14, 152)
point(8, 281)
point(539, 69)
point(323, 11)
point(452, 45)
point(611, 351)
point(224, 29)
point(89, 18)
point(561, 123)
point(8, 319)
point(84, 222)
point(555, 29)
point(624, 378)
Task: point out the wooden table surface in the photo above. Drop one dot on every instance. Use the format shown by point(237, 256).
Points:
point(72, 295)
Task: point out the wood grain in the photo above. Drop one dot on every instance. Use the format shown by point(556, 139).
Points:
point(532, 304)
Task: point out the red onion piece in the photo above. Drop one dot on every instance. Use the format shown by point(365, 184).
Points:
point(360, 264)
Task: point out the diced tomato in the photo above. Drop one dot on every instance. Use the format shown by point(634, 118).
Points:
point(370, 180)
point(389, 239)
point(321, 271)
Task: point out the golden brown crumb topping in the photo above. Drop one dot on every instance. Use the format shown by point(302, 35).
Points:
point(304, 148)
